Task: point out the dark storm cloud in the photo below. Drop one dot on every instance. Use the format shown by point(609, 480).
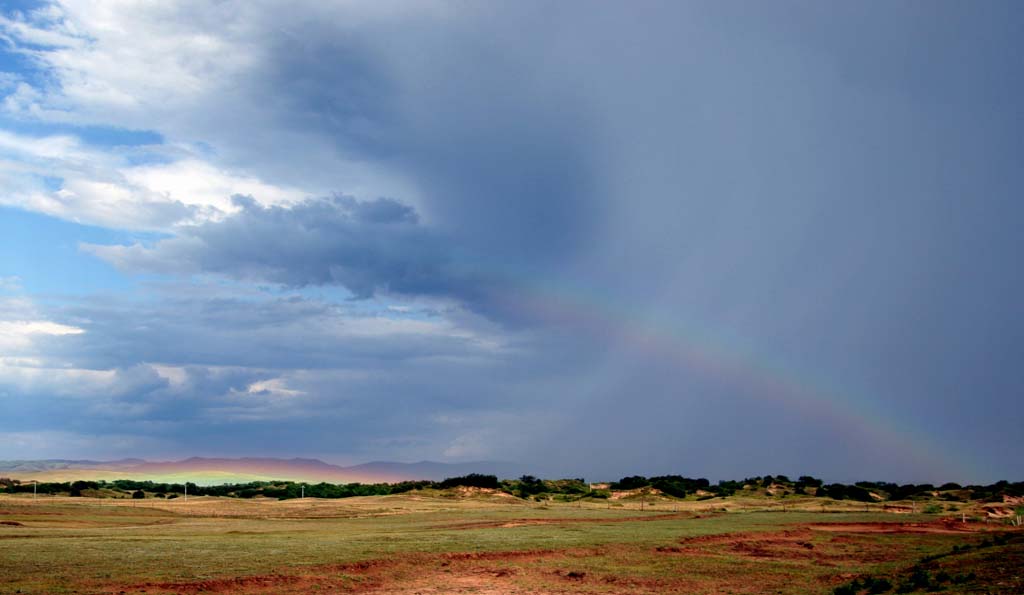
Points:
point(502, 154)
point(500, 145)
point(367, 247)
point(213, 370)
point(829, 194)
point(243, 331)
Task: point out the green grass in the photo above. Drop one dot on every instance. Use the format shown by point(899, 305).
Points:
point(68, 546)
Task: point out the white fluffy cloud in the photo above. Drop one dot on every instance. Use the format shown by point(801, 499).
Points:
point(27, 339)
point(61, 176)
point(22, 323)
point(122, 62)
point(192, 72)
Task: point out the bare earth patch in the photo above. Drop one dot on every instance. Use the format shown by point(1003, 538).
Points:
point(818, 552)
point(942, 526)
point(462, 572)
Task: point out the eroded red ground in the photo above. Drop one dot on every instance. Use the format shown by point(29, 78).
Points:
point(803, 558)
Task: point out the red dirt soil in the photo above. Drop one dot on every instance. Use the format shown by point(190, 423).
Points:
point(463, 572)
point(531, 572)
point(940, 526)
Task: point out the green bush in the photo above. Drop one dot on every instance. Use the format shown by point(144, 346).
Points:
point(473, 480)
point(964, 578)
point(920, 579)
point(632, 482)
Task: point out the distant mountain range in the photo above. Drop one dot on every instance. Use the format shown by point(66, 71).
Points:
point(207, 471)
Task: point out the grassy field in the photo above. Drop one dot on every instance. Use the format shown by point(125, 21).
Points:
point(486, 543)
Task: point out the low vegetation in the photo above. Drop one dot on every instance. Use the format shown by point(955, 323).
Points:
point(530, 487)
point(471, 537)
point(945, 572)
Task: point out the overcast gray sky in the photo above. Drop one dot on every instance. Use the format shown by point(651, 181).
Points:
point(595, 238)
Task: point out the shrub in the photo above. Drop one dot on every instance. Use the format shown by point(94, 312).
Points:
point(963, 578)
point(920, 579)
point(138, 495)
point(473, 480)
point(633, 482)
point(670, 486)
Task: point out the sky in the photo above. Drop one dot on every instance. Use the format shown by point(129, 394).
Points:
point(718, 239)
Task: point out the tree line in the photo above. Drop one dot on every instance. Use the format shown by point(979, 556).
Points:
point(531, 487)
